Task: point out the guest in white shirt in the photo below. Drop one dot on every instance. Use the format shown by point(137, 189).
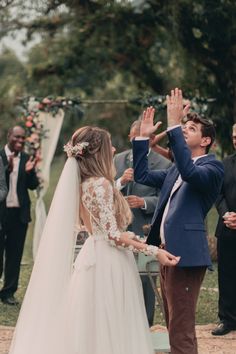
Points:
point(20, 176)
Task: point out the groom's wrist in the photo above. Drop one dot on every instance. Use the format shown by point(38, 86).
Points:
point(141, 138)
point(173, 127)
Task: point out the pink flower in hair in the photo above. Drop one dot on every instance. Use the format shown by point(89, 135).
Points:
point(76, 150)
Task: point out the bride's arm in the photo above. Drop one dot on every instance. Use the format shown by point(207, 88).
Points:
point(103, 212)
point(134, 244)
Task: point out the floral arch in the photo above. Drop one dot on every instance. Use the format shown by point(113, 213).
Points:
point(42, 120)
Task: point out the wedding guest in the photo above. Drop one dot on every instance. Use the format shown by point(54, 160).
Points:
point(226, 246)
point(188, 190)
point(142, 201)
point(154, 143)
point(3, 188)
point(20, 176)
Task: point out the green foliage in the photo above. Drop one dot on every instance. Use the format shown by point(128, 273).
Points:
point(12, 81)
point(151, 46)
point(208, 35)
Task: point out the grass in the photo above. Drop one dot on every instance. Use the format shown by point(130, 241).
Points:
point(207, 308)
point(207, 304)
point(9, 314)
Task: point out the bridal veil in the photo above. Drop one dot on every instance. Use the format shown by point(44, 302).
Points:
point(52, 269)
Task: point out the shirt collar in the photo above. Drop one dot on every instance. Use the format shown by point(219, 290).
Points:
point(198, 157)
point(9, 152)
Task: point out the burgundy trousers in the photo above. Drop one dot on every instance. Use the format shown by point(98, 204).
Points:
point(180, 288)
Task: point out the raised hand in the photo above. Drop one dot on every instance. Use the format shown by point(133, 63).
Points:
point(186, 109)
point(30, 164)
point(175, 107)
point(154, 139)
point(127, 176)
point(148, 127)
point(10, 163)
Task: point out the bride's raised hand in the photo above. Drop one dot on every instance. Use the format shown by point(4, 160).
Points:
point(148, 127)
point(166, 258)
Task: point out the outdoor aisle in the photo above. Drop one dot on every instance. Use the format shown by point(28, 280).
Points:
point(206, 342)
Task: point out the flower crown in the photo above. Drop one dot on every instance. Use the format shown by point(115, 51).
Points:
point(76, 150)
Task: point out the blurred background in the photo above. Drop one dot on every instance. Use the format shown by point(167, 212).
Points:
point(125, 50)
point(111, 59)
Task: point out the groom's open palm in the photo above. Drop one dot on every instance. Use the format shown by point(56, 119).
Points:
point(148, 127)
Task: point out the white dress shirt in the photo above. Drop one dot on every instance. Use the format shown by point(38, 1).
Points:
point(12, 200)
point(177, 184)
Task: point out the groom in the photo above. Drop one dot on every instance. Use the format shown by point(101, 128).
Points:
point(188, 190)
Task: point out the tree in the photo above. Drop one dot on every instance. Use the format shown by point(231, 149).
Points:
point(208, 34)
point(13, 76)
point(150, 45)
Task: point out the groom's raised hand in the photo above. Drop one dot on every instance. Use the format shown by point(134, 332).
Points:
point(175, 111)
point(148, 127)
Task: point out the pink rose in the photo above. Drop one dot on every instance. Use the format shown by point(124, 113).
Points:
point(46, 100)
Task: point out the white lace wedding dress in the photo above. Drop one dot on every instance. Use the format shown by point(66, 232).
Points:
point(99, 308)
point(105, 311)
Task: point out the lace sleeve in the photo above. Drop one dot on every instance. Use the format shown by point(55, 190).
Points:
point(98, 198)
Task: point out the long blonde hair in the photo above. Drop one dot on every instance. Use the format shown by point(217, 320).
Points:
point(96, 160)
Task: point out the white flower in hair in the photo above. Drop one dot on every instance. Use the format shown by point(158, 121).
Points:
point(76, 150)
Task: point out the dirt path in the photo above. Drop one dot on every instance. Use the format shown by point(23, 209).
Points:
point(5, 338)
point(207, 343)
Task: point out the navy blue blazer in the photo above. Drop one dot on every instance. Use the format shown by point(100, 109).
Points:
point(184, 227)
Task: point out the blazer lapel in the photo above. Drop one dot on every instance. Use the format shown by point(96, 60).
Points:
point(171, 182)
point(5, 163)
point(4, 157)
point(21, 169)
point(165, 192)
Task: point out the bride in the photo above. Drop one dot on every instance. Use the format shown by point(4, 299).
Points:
point(94, 306)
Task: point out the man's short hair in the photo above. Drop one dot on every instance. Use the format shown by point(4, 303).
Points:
point(207, 126)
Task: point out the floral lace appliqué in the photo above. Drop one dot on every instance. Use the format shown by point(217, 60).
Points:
point(97, 197)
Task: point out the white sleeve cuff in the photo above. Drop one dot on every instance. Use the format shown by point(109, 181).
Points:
point(119, 185)
point(174, 126)
point(141, 138)
point(145, 205)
